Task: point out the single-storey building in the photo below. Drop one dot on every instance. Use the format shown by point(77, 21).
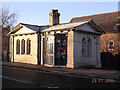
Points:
point(25, 43)
point(69, 44)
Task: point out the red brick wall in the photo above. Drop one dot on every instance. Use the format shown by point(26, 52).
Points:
point(105, 38)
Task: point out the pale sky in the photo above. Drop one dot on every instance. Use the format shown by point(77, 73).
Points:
point(38, 12)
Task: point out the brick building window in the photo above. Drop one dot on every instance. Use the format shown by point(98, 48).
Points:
point(117, 27)
point(111, 45)
point(28, 46)
point(18, 46)
point(23, 46)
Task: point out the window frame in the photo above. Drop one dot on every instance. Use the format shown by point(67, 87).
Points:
point(109, 45)
point(17, 46)
point(84, 42)
point(28, 47)
point(22, 46)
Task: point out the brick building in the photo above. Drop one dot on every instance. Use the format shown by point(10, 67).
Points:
point(110, 42)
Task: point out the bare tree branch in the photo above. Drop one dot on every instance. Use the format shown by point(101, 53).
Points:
point(7, 18)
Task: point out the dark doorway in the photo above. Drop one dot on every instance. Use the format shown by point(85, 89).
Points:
point(60, 49)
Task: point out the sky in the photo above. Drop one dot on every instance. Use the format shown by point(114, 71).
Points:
point(37, 13)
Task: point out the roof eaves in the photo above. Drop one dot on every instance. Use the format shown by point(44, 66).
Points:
point(55, 30)
point(65, 28)
point(15, 29)
point(98, 27)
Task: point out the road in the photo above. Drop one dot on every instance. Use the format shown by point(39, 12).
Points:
point(23, 78)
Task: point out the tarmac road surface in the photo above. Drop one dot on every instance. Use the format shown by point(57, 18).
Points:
point(24, 78)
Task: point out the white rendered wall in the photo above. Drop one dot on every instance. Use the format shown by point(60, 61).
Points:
point(70, 50)
point(80, 60)
point(74, 47)
point(26, 58)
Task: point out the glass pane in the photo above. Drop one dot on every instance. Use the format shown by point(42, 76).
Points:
point(50, 48)
point(50, 59)
point(58, 48)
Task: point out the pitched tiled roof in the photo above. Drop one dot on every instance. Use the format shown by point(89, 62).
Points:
point(36, 27)
point(33, 27)
point(64, 26)
point(67, 26)
point(106, 21)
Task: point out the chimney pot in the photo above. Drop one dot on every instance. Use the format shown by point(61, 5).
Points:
point(54, 17)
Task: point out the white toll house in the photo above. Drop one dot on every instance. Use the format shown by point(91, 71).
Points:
point(69, 44)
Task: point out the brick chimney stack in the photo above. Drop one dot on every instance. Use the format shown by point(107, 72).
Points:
point(53, 17)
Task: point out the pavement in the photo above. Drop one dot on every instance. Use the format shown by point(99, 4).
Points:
point(80, 72)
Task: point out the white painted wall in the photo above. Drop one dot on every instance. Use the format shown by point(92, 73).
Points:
point(10, 48)
point(74, 48)
point(42, 50)
point(70, 49)
point(86, 27)
point(26, 58)
point(80, 60)
point(25, 30)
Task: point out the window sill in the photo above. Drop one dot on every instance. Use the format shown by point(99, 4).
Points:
point(24, 54)
point(29, 54)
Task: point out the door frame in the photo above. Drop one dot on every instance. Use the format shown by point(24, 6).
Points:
point(60, 52)
point(45, 59)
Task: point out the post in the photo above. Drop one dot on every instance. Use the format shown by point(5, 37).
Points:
point(70, 49)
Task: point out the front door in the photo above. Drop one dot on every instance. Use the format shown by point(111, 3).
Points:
point(60, 49)
point(48, 50)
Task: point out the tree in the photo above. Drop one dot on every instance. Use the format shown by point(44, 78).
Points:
point(7, 18)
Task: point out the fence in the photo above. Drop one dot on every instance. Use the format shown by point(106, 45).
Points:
point(110, 61)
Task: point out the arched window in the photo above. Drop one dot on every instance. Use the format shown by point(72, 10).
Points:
point(23, 46)
point(28, 46)
point(111, 45)
point(89, 47)
point(18, 46)
point(83, 47)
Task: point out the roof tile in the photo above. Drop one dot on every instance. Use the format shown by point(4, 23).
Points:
point(106, 21)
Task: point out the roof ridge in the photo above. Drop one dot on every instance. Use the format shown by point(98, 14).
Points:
point(95, 14)
point(72, 22)
point(28, 24)
point(34, 25)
